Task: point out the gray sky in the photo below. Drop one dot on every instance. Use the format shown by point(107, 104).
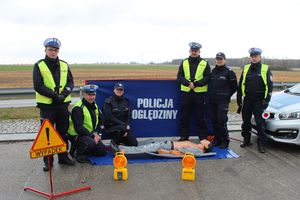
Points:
point(147, 31)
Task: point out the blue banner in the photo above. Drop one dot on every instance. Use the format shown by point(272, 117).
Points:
point(155, 105)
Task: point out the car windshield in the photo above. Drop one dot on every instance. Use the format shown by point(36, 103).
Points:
point(295, 89)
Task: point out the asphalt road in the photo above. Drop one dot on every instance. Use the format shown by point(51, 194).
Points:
point(270, 176)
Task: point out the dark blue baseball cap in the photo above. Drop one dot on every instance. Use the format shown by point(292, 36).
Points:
point(92, 89)
point(52, 42)
point(220, 55)
point(195, 45)
point(255, 51)
point(119, 86)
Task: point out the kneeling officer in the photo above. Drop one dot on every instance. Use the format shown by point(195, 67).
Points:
point(86, 118)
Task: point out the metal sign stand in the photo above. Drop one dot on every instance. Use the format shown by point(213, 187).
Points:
point(51, 195)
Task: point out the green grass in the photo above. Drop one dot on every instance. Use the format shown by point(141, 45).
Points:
point(19, 113)
point(13, 68)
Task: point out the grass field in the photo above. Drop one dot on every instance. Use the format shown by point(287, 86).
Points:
point(20, 76)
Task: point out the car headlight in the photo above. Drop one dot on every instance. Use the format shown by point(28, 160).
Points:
point(289, 116)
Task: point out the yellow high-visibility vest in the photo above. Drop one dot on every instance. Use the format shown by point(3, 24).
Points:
point(263, 73)
point(87, 119)
point(50, 83)
point(198, 76)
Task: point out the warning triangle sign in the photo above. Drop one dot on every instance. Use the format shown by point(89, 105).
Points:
point(47, 142)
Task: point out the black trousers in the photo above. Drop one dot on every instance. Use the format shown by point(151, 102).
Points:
point(117, 134)
point(219, 118)
point(59, 117)
point(87, 146)
point(191, 101)
point(256, 108)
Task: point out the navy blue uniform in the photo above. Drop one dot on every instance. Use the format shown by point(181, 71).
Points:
point(57, 112)
point(85, 142)
point(222, 85)
point(254, 101)
point(117, 117)
point(193, 100)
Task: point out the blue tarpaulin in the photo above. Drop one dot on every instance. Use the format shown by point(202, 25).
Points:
point(108, 159)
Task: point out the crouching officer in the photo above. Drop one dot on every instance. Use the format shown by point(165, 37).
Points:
point(256, 87)
point(53, 83)
point(117, 114)
point(222, 85)
point(86, 123)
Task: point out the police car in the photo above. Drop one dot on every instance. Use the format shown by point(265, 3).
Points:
point(283, 116)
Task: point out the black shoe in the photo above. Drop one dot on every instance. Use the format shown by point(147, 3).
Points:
point(46, 167)
point(82, 159)
point(216, 143)
point(66, 161)
point(183, 138)
point(209, 148)
point(224, 145)
point(261, 149)
point(246, 143)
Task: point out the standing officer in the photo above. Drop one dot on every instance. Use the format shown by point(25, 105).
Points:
point(53, 83)
point(87, 119)
point(256, 87)
point(221, 87)
point(117, 116)
point(193, 75)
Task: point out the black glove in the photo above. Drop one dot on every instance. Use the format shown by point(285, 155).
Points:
point(61, 98)
point(265, 104)
point(58, 98)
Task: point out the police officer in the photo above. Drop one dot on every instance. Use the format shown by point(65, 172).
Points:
point(53, 83)
point(117, 116)
point(193, 76)
point(256, 87)
point(87, 123)
point(222, 85)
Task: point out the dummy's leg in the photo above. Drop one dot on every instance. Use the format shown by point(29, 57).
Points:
point(150, 148)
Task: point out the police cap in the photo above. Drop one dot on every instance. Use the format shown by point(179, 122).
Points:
point(220, 55)
point(255, 51)
point(92, 89)
point(195, 45)
point(119, 86)
point(52, 42)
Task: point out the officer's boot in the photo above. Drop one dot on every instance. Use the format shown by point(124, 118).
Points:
point(246, 142)
point(224, 144)
point(64, 159)
point(216, 141)
point(261, 149)
point(261, 146)
point(46, 162)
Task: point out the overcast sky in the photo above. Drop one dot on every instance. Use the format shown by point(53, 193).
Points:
point(147, 31)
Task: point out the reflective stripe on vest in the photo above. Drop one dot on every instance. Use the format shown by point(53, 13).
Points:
point(49, 81)
point(87, 119)
point(263, 73)
point(198, 76)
